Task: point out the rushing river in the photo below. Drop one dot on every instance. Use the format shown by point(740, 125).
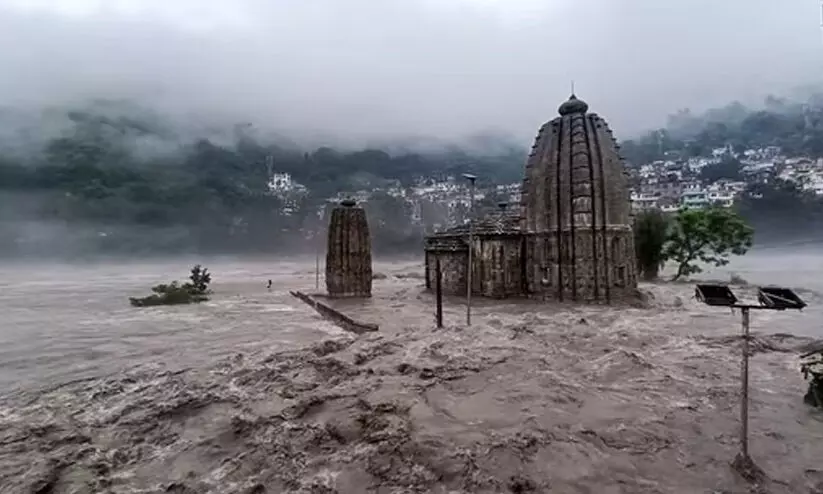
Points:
point(64, 322)
point(665, 376)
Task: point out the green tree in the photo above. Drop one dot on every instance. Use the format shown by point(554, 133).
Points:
point(650, 233)
point(707, 235)
point(194, 291)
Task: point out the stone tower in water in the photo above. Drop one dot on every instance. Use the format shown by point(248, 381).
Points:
point(348, 253)
point(576, 211)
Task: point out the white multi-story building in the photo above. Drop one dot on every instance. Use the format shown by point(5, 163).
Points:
point(720, 198)
point(725, 150)
point(694, 196)
point(644, 201)
point(281, 182)
point(815, 184)
point(760, 167)
point(697, 164)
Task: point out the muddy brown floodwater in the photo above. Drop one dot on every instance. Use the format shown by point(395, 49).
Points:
point(252, 392)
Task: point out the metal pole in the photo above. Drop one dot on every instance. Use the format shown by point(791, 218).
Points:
point(317, 265)
point(317, 243)
point(744, 393)
point(439, 295)
point(470, 267)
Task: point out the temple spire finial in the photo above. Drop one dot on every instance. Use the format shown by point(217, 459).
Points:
point(572, 87)
point(573, 105)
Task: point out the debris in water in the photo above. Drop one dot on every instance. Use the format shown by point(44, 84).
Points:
point(812, 369)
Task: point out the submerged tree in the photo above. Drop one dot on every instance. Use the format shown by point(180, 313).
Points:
point(707, 235)
point(200, 279)
point(650, 231)
point(194, 291)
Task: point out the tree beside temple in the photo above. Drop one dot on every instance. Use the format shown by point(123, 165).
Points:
point(707, 235)
point(650, 234)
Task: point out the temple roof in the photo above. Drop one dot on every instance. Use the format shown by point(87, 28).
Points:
point(441, 242)
point(501, 222)
point(573, 105)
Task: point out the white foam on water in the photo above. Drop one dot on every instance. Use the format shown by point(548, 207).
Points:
point(572, 397)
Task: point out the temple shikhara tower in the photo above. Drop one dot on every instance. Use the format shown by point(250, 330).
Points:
point(571, 237)
point(348, 254)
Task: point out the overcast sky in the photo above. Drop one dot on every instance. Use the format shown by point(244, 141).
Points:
point(365, 68)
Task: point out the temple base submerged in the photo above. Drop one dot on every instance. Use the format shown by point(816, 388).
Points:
point(582, 266)
point(571, 237)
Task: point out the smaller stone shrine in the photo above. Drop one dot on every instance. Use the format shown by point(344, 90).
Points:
point(348, 252)
point(498, 263)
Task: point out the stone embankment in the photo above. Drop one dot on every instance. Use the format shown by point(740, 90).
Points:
point(343, 321)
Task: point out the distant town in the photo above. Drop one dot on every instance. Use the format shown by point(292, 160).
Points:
point(671, 184)
point(667, 185)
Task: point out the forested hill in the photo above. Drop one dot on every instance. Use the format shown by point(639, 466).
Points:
point(794, 126)
point(120, 178)
point(775, 148)
point(115, 177)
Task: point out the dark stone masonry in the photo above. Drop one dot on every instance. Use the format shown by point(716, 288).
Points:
point(571, 237)
point(348, 253)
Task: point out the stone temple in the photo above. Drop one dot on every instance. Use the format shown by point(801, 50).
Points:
point(348, 252)
point(571, 237)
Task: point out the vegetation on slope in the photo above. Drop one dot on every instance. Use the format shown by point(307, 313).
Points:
point(141, 185)
point(212, 195)
point(796, 127)
point(776, 209)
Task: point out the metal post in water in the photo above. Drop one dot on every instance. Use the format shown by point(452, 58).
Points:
point(471, 179)
point(439, 289)
point(317, 243)
point(317, 267)
point(469, 275)
point(744, 392)
point(768, 298)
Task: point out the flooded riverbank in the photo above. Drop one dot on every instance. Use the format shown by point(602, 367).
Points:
point(253, 392)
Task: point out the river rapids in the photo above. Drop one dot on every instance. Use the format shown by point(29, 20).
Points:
point(252, 392)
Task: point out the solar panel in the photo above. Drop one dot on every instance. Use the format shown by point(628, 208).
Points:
point(718, 295)
point(779, 298)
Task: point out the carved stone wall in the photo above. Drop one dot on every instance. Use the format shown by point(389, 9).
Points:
point(498, 266)
point(497, 261)
point(600, 273)
point(348, 253)
point(575, 201)
point(453, 270)
point(572, 239)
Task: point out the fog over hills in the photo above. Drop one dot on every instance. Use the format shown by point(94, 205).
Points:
point(359, 70)
point(138, 126)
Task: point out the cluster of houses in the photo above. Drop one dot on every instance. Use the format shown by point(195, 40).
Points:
point(672, 184)
point(667, 185)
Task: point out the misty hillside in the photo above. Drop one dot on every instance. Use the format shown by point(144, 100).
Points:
point(796, 127)
point(774, 151)
point(113, 176)
point(121, 178)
